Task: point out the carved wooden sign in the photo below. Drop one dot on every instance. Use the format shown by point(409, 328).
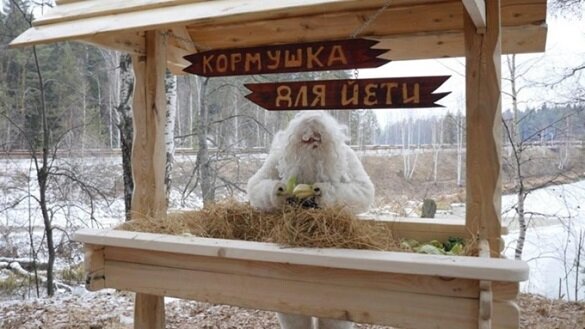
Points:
point(300, 57)
point(411, 92)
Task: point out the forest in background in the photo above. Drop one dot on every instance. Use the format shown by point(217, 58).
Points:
point(83, 91)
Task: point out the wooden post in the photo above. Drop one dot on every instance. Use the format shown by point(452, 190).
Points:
point(483, 52)
point(148, 156)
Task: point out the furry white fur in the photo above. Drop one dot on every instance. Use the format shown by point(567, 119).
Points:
point(313, 149)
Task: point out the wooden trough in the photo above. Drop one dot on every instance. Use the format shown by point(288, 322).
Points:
point(404, 290)
point(400, 289)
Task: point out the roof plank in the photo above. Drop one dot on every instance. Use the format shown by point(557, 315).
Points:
point(77, 9)
point(202, 25)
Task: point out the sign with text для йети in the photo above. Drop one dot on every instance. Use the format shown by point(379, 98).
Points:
point(410, 92)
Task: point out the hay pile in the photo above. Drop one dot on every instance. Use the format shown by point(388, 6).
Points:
point(292, 226)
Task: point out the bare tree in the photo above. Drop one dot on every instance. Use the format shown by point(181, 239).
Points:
point(520, 143)
point(125, 127)
point(171, 92)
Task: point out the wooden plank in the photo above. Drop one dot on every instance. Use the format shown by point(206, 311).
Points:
point(476, 10)
point(64, 2)
point(347, 94)
point(405, 47)
point(335, 25)
point(515, 39)
point(175, 61)
point(220, 24)
point(505, 291)
point(79, 9)
point(94, 267)
point(179, 37)
point(380, 261)
point(444, 17)
point(149, 156)
point(131, 43)
point(483, 113)
point(423, 229)
point(431, 285)
point(399, 309)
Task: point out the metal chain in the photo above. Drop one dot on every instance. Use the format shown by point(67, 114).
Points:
point(370, 19)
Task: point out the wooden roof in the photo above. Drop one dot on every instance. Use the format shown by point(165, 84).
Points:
point(412, 29)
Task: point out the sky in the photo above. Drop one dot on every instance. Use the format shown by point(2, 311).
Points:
point(565, 47)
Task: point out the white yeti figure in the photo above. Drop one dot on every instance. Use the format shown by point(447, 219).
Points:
point(312, 149)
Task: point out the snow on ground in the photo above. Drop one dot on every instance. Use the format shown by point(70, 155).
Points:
point(551, 246)
point(557, 220)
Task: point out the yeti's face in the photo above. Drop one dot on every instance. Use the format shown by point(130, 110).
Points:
point(310, 134)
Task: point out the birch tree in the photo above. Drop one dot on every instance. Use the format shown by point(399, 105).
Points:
point(171, 95)
point(124, 123)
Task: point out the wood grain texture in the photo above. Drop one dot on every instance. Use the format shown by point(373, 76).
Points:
point(346, 94)
point(148, 310)
point(476, 10)
point(295, 57)
point(244, 23)
point(149, 110)
point(387, 262)
point(67, 10)
point(131, 43)
point(506, 315)
point(94, 267)
point(483, 113)
point(432, 285)
point(149, 157)
point(360, 304)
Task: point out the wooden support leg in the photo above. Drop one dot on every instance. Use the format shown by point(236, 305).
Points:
point(149, 312)
point(483, 111)
point(148, 156)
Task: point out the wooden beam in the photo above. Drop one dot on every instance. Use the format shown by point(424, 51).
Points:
point(431, 285)
point(148, 156)
point(64, 2)
point(79, 9)
point(515, 39)
point(476, 10)
point(381, 261)
point(223, 24)
point(131, 43)
point(484, 135)
point(329, 300)
point(180, 45)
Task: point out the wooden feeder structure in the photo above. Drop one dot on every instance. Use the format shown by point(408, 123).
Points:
point(399, 289)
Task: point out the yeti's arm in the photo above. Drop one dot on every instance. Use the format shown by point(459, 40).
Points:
point(356, 192)
point(263, 186)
